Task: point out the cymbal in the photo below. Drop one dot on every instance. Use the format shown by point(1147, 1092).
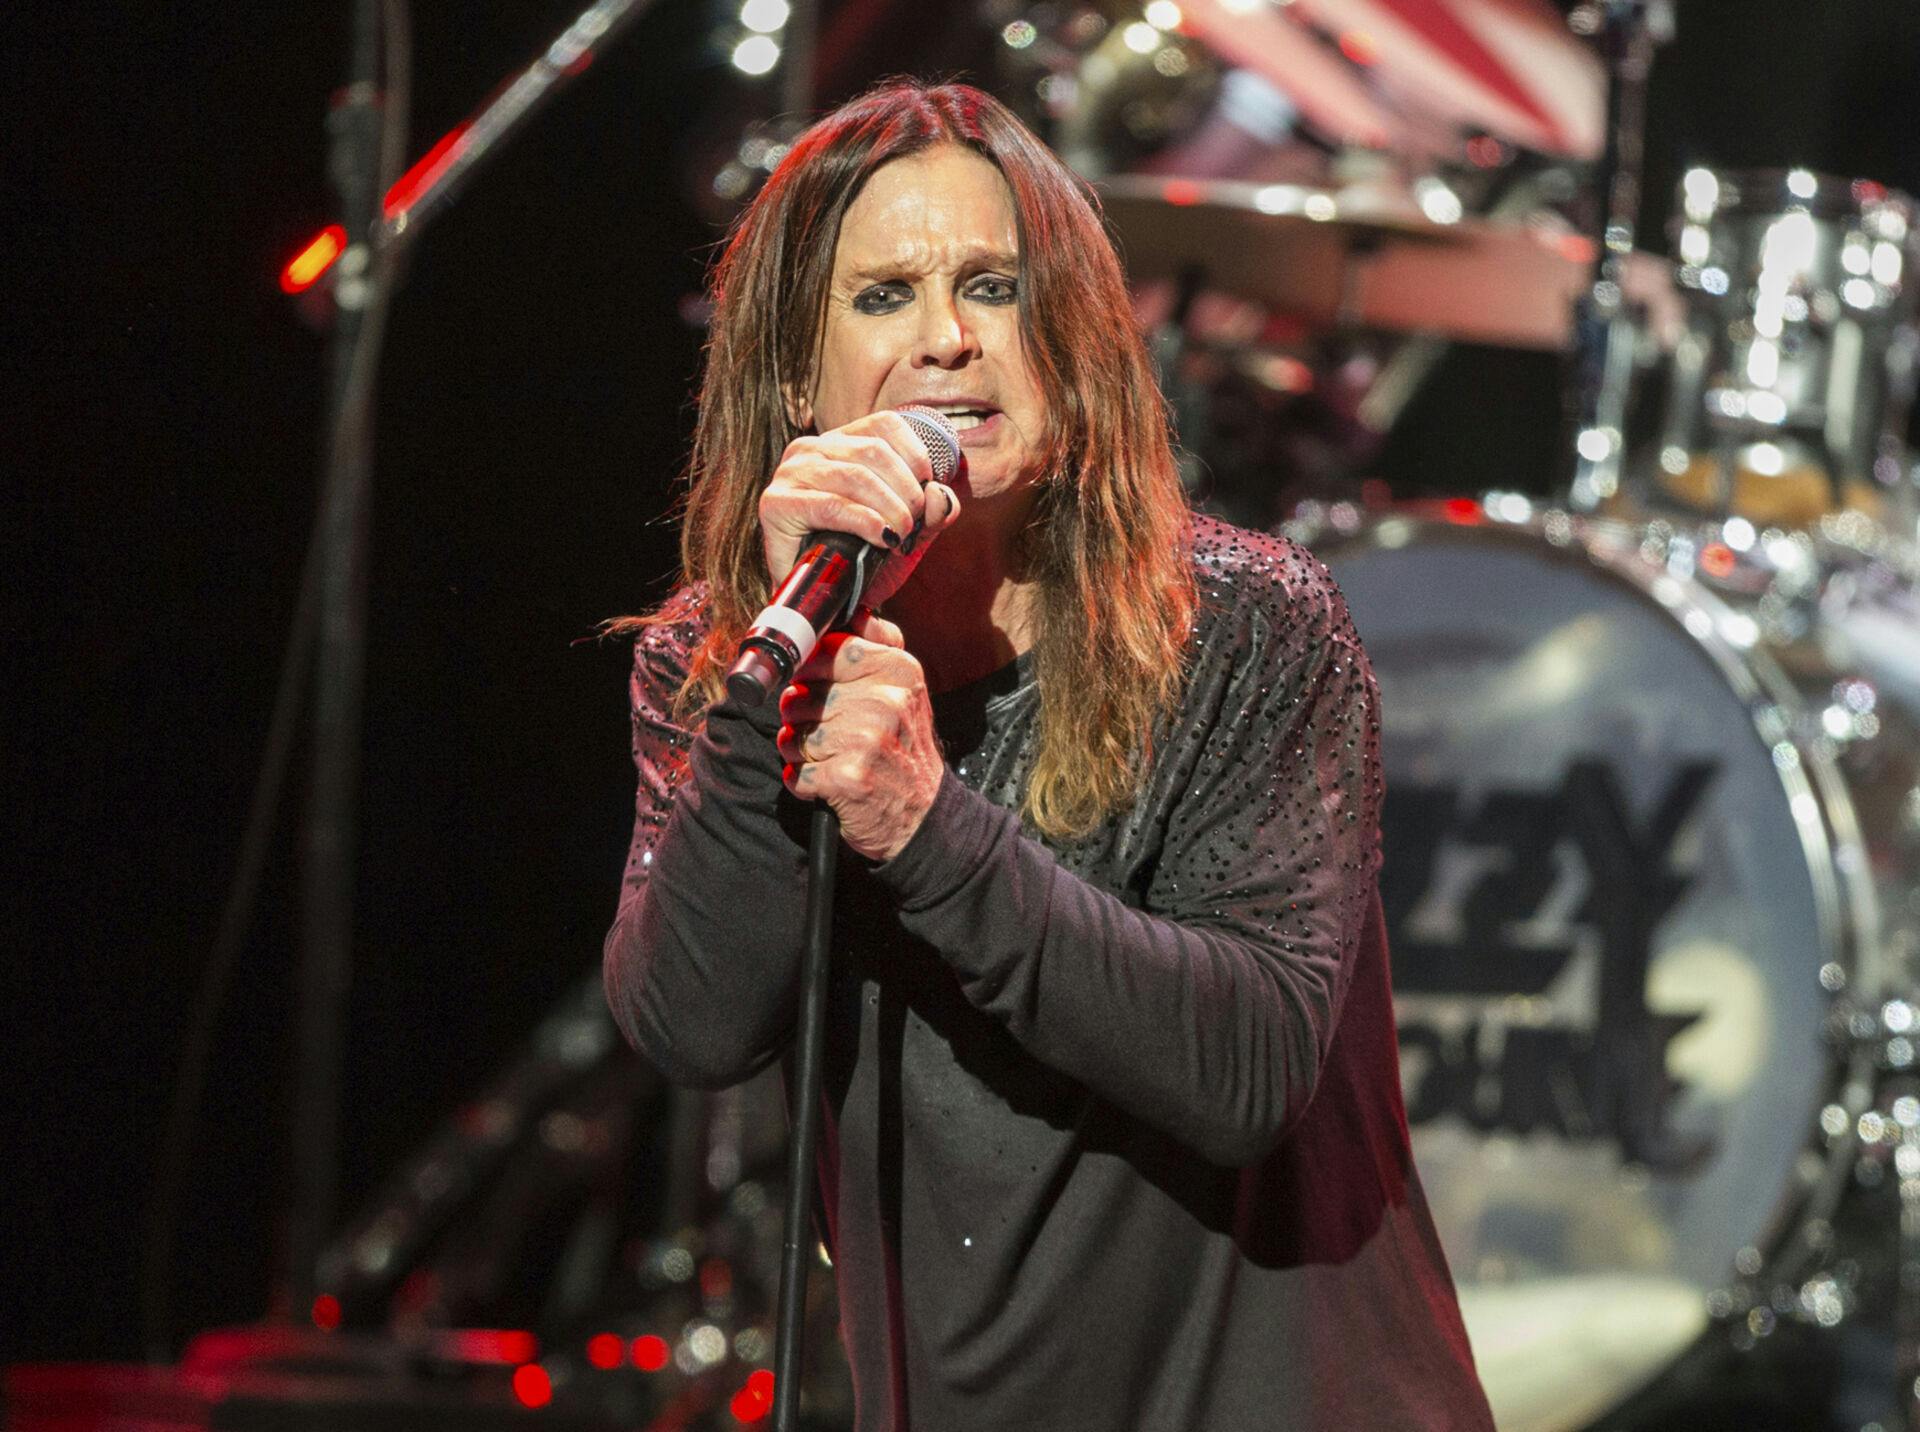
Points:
point(1365, 258)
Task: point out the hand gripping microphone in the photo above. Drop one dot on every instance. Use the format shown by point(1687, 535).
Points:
point(824, 586)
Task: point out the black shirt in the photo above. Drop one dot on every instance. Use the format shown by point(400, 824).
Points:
point(1114, 1136)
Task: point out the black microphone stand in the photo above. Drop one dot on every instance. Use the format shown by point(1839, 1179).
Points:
point(804, 1138)
point(365, 125)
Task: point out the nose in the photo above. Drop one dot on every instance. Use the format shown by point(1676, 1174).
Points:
point(944, 339)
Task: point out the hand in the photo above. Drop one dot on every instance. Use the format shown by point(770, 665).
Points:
point(871, 478)
point(859, 735)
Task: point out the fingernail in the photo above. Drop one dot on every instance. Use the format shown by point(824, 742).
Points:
point(889, 536)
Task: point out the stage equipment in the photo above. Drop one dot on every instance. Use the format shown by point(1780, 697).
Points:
point(1789, 390)
point(1652, 879)
point(1364, 257)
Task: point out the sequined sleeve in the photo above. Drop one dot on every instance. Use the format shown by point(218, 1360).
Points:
point(1207, 1009)
point(699, 971)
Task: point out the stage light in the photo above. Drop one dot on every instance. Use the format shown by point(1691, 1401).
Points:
point(606, 1351)
point(1164, 15)
point(326, 1307)
point(312, 261)
point(765, 16)
point(650, 1353)
point(532, 1385)
point(756, 55)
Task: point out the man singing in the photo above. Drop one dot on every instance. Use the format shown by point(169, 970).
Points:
point(1114, 1136)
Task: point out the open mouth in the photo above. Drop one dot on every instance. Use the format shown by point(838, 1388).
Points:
point(963, 415)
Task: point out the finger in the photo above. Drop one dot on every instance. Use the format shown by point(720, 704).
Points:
point(802, 704)
point(906, 472)
point(799, 745)
point(789, 516)
point(943, 506)
point(842, 657)
point(849, 472)
point(901, 437)
point(869, 625)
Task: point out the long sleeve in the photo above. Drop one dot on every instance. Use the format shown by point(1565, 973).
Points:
point(1209, 1012)
point(701, 963)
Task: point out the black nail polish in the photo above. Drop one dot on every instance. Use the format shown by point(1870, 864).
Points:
point(889, 536)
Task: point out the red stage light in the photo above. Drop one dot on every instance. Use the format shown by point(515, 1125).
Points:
point(1717, 560)
point(494, 1345)
point(1180, 191)
point(650, 1353)
point(532, 1385)
point(1461, 510)
point(315, 259)
point(408, 186)
point(754, 1401)
point(606, 1351)
point(326, 1312)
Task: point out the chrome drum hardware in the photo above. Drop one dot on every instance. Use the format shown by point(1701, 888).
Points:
point(1790, 385)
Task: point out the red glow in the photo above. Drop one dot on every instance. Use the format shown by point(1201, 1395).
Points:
point(1717, 559)
point(716, 1279)
point(318, 256)
point(1359, 46)
point(494, 1345)
point(650, 1353)
point(326, 1312)
point(1577, 248)
point(532, 1385)
point(606, 1351)
point(425, 169)
point(1484, 151)
point(1460, 510)
point(1180, 191)
point(315, 259)
point(755, 1400)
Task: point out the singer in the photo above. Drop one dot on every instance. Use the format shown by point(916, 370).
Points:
point(1114, 1136)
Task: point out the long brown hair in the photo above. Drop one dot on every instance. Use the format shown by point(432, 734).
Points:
point(1108, 546)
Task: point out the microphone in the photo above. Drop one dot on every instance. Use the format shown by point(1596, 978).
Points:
point(824, 585)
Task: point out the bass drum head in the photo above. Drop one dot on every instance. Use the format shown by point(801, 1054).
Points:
point(1609, 903)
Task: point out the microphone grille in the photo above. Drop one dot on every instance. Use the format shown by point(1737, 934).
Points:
point(943, 443)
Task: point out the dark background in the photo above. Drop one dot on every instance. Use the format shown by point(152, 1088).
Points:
point(162, 403)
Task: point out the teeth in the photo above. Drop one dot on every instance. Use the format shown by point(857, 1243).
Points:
point(962, 421)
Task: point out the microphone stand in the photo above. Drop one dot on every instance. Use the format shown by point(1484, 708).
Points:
point(823, 850)
point(377, 237)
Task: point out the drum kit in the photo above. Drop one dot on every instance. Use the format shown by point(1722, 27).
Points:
point(1651, 726)
point(1652, 739)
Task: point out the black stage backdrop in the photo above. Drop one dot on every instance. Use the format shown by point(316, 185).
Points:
point(160, 440)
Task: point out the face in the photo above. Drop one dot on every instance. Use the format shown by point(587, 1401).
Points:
point(923, 309)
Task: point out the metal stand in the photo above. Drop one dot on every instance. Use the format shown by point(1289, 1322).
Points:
point(360, 125)
point(810, 1038)
point(366, 124)
point(1605, 330)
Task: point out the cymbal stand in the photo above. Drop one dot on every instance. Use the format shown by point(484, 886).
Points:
point(1606, 327)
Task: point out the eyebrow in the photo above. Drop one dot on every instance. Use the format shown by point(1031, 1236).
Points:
point(871, 273)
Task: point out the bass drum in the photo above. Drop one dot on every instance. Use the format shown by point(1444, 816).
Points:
point(1650, 857)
